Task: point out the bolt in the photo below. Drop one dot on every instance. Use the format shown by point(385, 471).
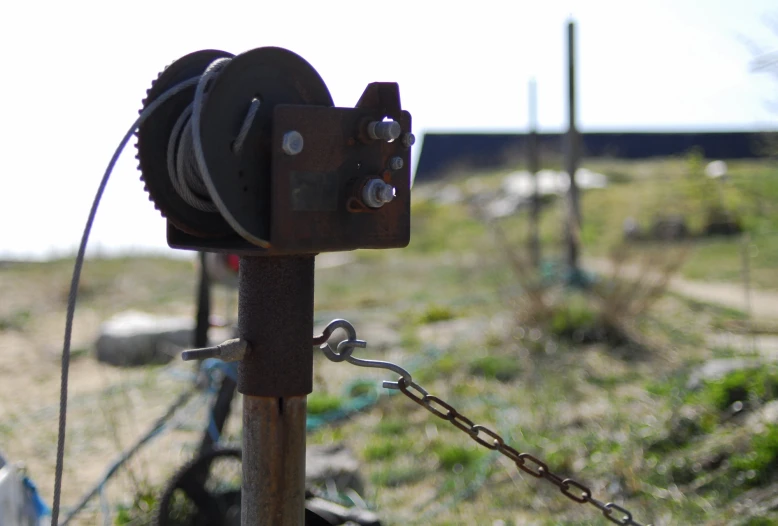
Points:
point(409, 140)
point(384, 130)
point(292, 143)
point(396, 163)
point(377, 193)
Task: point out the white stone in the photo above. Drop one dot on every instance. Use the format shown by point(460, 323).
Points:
point(138, 338)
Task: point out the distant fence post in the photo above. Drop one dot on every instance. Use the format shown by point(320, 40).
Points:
point(533, 165)
point(573, 223)
point(745, 246)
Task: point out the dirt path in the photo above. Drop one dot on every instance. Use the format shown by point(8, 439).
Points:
point(764, 304)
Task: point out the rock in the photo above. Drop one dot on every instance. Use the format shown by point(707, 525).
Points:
point(334, 513)
point(767, 414)
point(718, 368)
point(716, 169)
point(134, 338)
point(631, 230)
point(333, 464)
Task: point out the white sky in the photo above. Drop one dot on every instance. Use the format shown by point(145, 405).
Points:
point(75, 72)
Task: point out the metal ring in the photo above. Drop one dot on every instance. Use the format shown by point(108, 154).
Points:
point(350, 343)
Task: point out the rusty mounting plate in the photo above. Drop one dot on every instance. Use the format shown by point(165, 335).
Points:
point(315, 195)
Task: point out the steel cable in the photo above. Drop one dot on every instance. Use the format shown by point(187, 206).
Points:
point(72, 295)
point(186, 166)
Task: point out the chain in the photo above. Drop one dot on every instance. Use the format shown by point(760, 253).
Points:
point(570, 488)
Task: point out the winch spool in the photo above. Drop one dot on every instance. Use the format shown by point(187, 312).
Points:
point(255, 159)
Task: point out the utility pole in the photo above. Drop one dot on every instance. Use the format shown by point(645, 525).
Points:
point(573, 224)
point(533, 165)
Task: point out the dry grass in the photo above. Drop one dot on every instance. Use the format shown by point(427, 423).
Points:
point(588, 411)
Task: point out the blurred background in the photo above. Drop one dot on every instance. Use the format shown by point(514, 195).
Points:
point(627, 336)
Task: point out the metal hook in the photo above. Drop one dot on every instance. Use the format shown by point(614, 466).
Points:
point(346, 347)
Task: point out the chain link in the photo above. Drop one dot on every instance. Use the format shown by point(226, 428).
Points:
point(570, 488)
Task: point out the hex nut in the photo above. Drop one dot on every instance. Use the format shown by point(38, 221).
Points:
point(292, 143)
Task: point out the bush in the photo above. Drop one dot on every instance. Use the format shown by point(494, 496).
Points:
point(748, 386)
point(761, 462)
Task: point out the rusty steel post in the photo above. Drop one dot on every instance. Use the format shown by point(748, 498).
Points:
point(275, 317)
point(273, 461)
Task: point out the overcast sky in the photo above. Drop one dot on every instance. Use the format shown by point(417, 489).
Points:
point(75, 72)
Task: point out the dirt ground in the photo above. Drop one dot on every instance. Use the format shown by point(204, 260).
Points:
point(112, 407)
point(109, 407)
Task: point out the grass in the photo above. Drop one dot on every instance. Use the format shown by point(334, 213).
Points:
point(319, 403)
point(495, 367)
point(747, 386)
point(15, 321)
point(436, 313)
point(589, 412)
point(760, 462)
point(646, 187)
point(456, 457)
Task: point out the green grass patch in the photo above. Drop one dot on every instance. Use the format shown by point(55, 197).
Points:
point(443, 367)
point(753, 386)
point(760, 463)
point(319, 403)
point(455, 457)
point(139, 512)
point(394, 476)
point(391, 427)
point(16, 321)
point(502, 368)
point(439, 228)
point(436, 313)
point(573, 317)
point(384, 449)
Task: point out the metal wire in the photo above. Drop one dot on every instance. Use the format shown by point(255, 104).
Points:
point(72, 295)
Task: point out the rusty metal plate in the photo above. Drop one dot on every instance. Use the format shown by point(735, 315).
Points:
point(315, 194)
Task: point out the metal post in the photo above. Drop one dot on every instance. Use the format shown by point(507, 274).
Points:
point(273, 461)
point(573, 224)
point(203, 305)
point(275, 317)
point(533, 165)
point(745, 246)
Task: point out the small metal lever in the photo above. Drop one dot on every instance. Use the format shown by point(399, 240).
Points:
point(230, 351)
